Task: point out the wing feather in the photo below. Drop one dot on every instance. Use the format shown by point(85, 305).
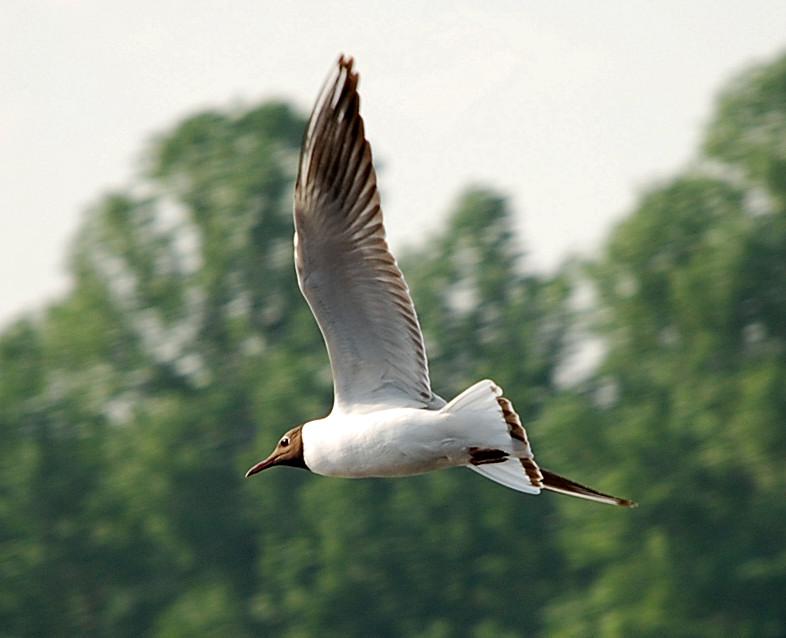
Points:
point(345, 270)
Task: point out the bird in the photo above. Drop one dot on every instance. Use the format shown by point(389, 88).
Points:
point(386, 421)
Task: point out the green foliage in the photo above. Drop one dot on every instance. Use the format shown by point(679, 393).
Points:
point(135, 405)
point(130, 410)
point(688, 407)
point(747, 132)
point(481, 315)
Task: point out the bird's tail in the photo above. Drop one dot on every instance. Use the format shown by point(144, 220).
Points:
point(556, 483)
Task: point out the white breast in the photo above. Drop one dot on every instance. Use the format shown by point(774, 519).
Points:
point(391, 442)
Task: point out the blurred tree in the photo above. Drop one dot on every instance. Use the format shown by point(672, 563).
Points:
point(134, 406)
point(130, 409)
point(130, 405)
point(483, 316)
point(747, 133)
point(687, 409)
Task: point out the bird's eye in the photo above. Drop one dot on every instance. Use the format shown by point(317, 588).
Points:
point(284, 442)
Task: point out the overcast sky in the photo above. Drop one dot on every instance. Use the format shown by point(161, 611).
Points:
point(570, 108)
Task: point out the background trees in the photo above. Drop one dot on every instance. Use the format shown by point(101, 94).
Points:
point(690, 399)
point(130, 409)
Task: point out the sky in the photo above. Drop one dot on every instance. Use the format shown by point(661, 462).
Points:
point(568, 108)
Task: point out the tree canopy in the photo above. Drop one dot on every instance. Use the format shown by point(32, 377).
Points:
point(131, 407)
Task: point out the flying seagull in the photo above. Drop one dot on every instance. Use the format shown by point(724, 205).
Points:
point(386, 421)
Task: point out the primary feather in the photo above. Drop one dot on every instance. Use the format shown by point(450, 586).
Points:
point(345, 270)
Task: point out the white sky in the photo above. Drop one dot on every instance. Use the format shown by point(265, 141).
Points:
point(568, 107)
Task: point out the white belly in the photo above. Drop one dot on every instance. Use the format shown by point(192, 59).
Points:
point(391, 442)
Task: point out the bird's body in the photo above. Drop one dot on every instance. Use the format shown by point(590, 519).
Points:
point(386, 420)
point(386, 442)
point(407, 441)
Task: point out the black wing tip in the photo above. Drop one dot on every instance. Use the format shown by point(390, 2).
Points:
point(340, 91)
point(346, 62)
point(563, 485)
point(338, 100)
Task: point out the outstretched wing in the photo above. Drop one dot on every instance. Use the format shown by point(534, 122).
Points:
point(345, 270)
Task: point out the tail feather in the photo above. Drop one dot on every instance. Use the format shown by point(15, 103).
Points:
point(556, 483)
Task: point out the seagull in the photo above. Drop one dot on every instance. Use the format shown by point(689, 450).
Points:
point(386, 421)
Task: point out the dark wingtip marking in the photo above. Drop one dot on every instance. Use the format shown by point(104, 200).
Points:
point(517, 431)
point(557, 483)
point(481, 456)
point(532, 471)
point(346, 62)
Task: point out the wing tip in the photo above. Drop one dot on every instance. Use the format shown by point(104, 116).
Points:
point(556, 483)
point(346, 61)
point(338, 100)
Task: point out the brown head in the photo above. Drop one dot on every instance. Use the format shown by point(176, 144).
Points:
point(289, 451)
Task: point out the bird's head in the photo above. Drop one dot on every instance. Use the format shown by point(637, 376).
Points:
point(288, 451)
